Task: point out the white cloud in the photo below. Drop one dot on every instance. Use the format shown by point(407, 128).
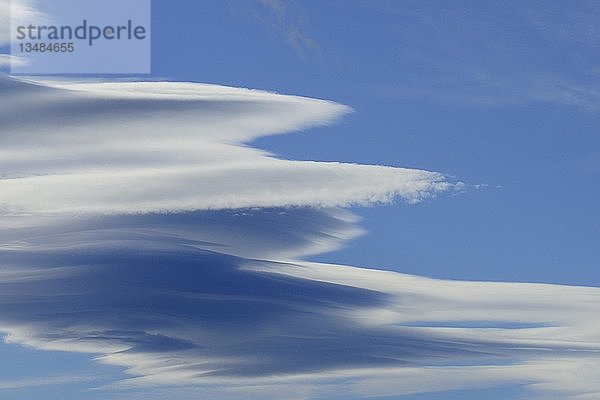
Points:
point(151, 294)
point(194, 298)
point(200, 296)
point(18, 10)
point(44, 381)
point(546, 377)
point(146, 147)
point(4, 22)
point(6, 60)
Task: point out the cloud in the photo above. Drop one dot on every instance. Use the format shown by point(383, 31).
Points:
point(283, 18)
point(19, 10)
point(45, 381)
point(26, 10)
point(139, 226)
point(137, 147)
point(185, 300)
point(493, 55)
point(4, 60)
point(4, 22)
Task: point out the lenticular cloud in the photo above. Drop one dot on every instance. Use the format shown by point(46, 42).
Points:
point(139, 227)
point(108, 148)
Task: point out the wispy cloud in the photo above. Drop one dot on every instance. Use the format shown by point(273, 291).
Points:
point(187, 300)
point(136, 147)
point(286, 20)
point(97, 175)
point(18, 10)
point(493, 55)
point(138, 227)
point(6, 60)
point(4, 22)
point(43, 381)
point(127, 234)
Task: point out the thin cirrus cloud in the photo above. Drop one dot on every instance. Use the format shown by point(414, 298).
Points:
point(139, 228)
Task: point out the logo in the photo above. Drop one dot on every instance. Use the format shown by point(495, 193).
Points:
point(81, 37)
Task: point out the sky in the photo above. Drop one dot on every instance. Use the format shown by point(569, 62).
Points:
point(404, 206)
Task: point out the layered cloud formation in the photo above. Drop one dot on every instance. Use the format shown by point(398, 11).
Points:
point(138, 226)
point(148, 147)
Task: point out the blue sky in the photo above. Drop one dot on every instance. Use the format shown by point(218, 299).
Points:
point(499, 95)
point(501, 98)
